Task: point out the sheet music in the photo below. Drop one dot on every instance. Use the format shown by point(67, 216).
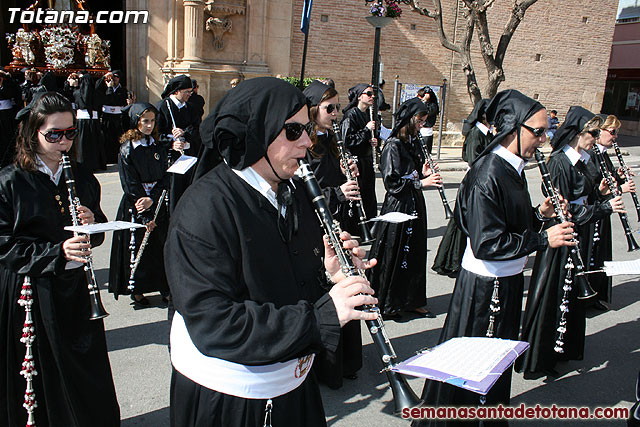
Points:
point(470, 358)
point(183, 164)
point(614, 268)
point(103, 226)
point(394, 217)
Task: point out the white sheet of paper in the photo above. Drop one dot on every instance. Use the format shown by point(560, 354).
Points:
point(103, 226)
point(395, 217)
point(471, 358)
point(183, 164)
point(614, 268)
point(385, 133)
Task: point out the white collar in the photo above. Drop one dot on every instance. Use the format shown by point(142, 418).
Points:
point(482, 127)
point(319, 133)
point(253, 178)
point(178, 103)
point(572, 154)
point(116, 88)
point(143, 142)
point(512, 159)
point(585, 157)
point(602, 148)
point(42, 167)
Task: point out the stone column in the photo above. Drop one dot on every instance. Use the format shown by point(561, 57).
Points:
point(193, 29)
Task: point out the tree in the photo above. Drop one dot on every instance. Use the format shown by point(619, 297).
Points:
point(474, 13)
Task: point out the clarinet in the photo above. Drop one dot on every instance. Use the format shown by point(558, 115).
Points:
point(404, 396)
point(627, 176)
point(345, 156)
point(97, 310)
point(574, 261)
point(447, 210)
point(145, 239)
point(613, 186)
point(373, 135)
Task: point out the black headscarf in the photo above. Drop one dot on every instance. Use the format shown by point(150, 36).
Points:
point(406, 111)
point(24, 112)
point(508, 110)
point(133, 112)
point(573, 124)
point(175, 84)
point(248, 118)
point(475, 116)
point(354, 94)
point(314, 92)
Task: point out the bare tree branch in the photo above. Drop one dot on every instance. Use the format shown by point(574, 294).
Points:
point(517, 15)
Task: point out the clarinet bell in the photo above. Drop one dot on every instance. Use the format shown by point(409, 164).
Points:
point(403, 394)
point(632, 244)
point(366, 237)
point(585, 291)
point(448, 214)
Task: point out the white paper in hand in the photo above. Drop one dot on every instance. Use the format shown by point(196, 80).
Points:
point(103, 226)
point(183, 164)
point(394, 217)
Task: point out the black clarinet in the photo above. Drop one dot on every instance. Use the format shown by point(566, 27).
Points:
point(627, 176)
point(97, 309)
point(447, 210)
point(584, 289)
point(366, 236)
point(403, 395)
point(613, 186)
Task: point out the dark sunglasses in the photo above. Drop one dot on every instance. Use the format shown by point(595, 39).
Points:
point(331, 108)
point(594, 133)
point(293, 131)
point(613, 132)
point(54, 136)
point(369, 93)
point(537, 132)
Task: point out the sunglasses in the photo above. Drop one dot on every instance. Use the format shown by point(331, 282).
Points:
point(369, 93)
point(331, 108)
point(613, 132)
point(293, 131)
point(537, 132)
point(594, 133)
point(54, 136)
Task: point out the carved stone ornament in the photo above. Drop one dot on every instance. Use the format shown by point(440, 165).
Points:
point(219, 21)
point(96, 51)
point(21, 44)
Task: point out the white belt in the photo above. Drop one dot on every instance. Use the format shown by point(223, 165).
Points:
point(111, 109)
point(579, 201)
point(6, 104)
point(84, 115)
point(248, 382)
point(491, 268)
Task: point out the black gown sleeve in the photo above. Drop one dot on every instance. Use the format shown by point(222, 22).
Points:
point(392, 170)
point(488, 232)
point(353, 135)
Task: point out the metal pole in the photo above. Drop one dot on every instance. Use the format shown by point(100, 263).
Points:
point(375, 77)
point(443, 99)
point(304, 60)
point(396, 87)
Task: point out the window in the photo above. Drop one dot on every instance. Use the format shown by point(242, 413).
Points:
point(324, 18)
point(538, 57)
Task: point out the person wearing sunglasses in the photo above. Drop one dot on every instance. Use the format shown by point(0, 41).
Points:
point(602, 244)
point(573, 175)
point(494, 210)
point(357, 128)
point(324, 158)
point(74, 385)
point(244, 263)
point(142, 165)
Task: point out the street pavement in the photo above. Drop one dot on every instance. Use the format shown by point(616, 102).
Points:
point(137, 338)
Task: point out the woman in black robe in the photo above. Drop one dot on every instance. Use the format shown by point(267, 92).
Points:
point(73, 386)
point(477, 137)
point(400, 277)
point(576, 184)
point(323, 157)
point(10, 100)
point(493, 209)
point(356, 129)
point(79, 89)
point(142, 163)
point(431, 105)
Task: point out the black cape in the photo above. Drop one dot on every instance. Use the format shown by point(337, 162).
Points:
point(9, 91)
point(112, 128)
point(74, 385)
point(400, 277)
point(144, 164)
point(230, 268)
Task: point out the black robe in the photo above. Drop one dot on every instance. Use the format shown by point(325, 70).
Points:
point(10, 93)
point(247, 297)
point(542, 312)
point(196, 102)
point(187, 120)
point(330, 367)
point(111, 123)
point(144, 164)
point(493, 208)
point(400, 277)
point(74, 385)
point(357, 137)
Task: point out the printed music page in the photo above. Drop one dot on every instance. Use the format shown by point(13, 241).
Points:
point(614, 268)
point(103, 226)
point(395, 217)
point(469, 358)
point(183, 164)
